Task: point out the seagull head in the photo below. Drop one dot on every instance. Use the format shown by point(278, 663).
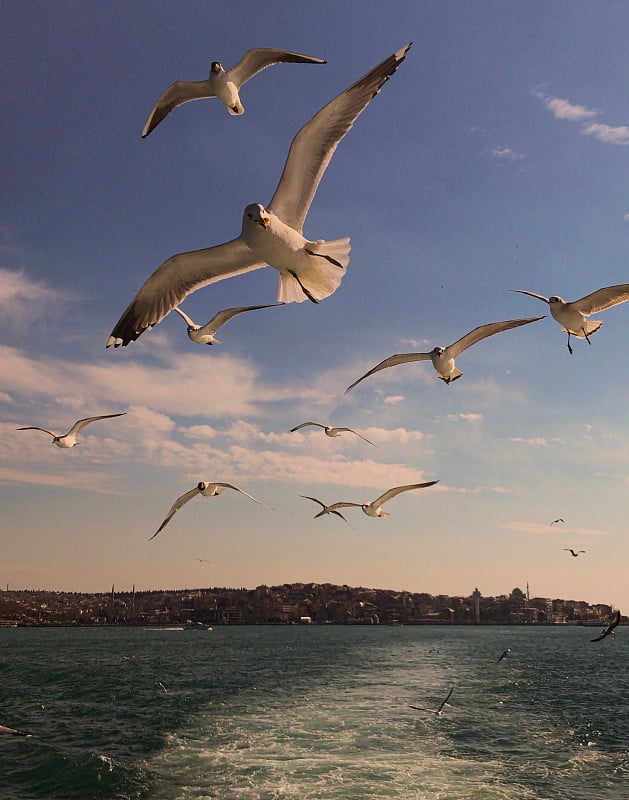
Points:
point(202, 485)
point(216, 67)
point(438, 351)
point(256, 214)
point(555, 299)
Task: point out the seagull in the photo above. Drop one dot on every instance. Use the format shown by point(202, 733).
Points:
point(222, 83)
point(273, 235)
point(572, 316)
point(609, 630)
point(207, 490)
point(330, 431)
point(69, 439)
point(374, 509)
point(558, 520)
point(504, 655)
point(443, 357)
point(436, 711)
point(203, 560)
point(13, 731)
point(333, 509)
point(570, 550)
point(204, 334)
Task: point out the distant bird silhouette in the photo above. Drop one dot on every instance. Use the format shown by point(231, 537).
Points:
point(443, 357)
point(69, 439)
point(13, 731)
point(436, 711)
point(221, 83)
point(575, 553)
point(204, 334)
point(332, 509)
point(557, 521)
point(572, 316)
point(330, 431)
point(504, 655)
point(609, 630)
point(207, 490)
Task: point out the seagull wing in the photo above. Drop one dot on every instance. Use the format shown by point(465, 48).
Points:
point(314, 145)
point(179, 502)
point(33, 428)
point(532, 294)
point(186, 318)
point(360, 436)
point(236, 489)
point(391, 361)
point(602, 299)
point(391, 493)
point(305, 425)
point(343, 504)
point(219, 319)
point(615, 622)
point(13, 731)
point(446, 700)
point(314, 500)
point(260, 57)
point(175, 279)
point(420, 708)
point(483, 331)
point(81, 423)
point(177, 94)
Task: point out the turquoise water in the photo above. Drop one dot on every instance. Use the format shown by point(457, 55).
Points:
point(292, 712)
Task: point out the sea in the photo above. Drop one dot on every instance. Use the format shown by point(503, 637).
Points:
point(305, 712)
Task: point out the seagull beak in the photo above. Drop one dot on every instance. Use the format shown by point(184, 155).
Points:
point(264, 222)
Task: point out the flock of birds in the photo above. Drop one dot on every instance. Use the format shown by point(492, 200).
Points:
point(272, 235)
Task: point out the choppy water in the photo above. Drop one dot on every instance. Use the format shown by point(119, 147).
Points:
point(258, 713)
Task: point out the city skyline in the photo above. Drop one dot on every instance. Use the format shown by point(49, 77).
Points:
point(495, 158)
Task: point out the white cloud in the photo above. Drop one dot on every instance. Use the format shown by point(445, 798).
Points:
point(469, 417)
point(506, 153)
point(564, 109)
point(393, 399)
point(608, 133)
point(536, 441)
point(22, 297)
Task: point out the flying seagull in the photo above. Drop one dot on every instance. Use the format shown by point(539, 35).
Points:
point(330, 431)
point(204, 334)
point(572, 316)
point(270, 236)
point(574, 553)
point(558, 520)
point(374, 509)
point(222, 83)
point(13, 731)
point(609, 630)
point(69, 439)
point(203, 560)
point(207, 490)
point(332, 509)
point(436, 711)
point(504, 655)
point(443, 357)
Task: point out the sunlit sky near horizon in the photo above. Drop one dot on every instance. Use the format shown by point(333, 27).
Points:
point(495, 158)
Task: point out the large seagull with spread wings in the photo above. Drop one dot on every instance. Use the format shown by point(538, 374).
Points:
point(270, 235)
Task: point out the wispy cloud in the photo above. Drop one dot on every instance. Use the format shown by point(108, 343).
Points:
point(464, 417)
point(506, 153)
point(564, 109)
point(21, 297)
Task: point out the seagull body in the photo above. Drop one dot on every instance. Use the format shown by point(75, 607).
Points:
point(573, 316)
point(443, 357)
point(438, 712)
point(332, 509)
point(273, 235)
point(13, 731)
point(504, 655)
point(574, 553)
point(207, 490)
point(221, 83)
point(204, 334)
point(374, 509)
point(609, 630)
point(69, 439)
point(330, 431)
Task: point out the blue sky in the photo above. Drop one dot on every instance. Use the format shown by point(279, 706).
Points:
point(495, 158)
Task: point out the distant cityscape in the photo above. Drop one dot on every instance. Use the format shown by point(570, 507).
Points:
point(289, 603)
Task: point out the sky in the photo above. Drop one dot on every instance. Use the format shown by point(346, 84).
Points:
point(495, 158)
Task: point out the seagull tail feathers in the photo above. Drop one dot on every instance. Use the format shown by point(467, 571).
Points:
point(236, 109)
point(591, 326)
point(319, 276)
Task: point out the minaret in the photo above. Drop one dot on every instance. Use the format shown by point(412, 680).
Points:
point(476, 595)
